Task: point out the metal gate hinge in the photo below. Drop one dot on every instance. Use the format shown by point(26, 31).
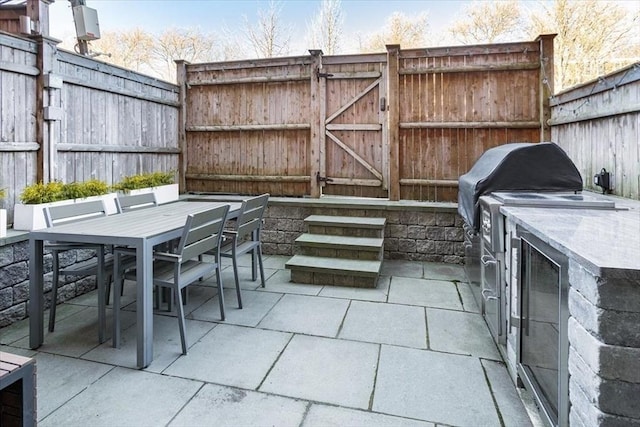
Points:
point(320, 179)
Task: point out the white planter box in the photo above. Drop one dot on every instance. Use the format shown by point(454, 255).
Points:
point(164, 193)
point(31, 217)
point(3, 223)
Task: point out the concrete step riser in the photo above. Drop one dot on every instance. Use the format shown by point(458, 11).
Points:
point(340, 253)
point(332, 279)
point(345, 231)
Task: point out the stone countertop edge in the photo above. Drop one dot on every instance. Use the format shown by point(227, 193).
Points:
point(605, 242)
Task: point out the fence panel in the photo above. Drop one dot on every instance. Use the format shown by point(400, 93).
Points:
point(18, 140)
point(457, 102)
point(116, 122)
point(598, 125)
point(247, 127)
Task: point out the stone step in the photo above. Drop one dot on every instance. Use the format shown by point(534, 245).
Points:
point(325, 245)
point(345, 225)
point(334, 271)
point(342, 242)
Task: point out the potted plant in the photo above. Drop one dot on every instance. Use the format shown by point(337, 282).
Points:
point(3, 216)
point(162, 184)
point(29, 215)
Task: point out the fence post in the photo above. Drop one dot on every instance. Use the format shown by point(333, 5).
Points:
point(181, 77)
point(546, 83)
point(48, 109)
point(393, 121)
point(318, 105)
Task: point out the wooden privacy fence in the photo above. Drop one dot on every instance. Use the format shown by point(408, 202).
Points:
point(598, 125)
point(68, 117)
point(400, 125)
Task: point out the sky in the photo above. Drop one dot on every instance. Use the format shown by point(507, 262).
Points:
point(360, 16)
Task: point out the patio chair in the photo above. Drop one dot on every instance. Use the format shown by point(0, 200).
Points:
point(244, 237)
point(58, 215)
point(176, 270)
point(130, 202)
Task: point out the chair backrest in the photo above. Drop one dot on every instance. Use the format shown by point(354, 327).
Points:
point(62, 214)
point(250, 218)
point(130, 202)
point(202, 232)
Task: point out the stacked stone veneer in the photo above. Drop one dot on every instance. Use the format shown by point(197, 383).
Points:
point(604, 348)
point(424, 232)
point(14, 280)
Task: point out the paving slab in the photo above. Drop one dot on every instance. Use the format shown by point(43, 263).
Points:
point(60, 378)
point(231, 355)
point(378, 293)
point(427, 293)
point(255, 307)
point(511, 408)
point(216, 405)
point(166, 343)
point(125, 397)
point(441, 271)
point(20, 329)
point(307, 315)
point(244, 277)
point(432, 386)
point(275, 261)
point(74, 335)
point(401, 268)
point(197, 295)
point(385, 324)
point(281, 282)
point(468, 301)
point(334, 416)
point(325, 370)
point(459, 332)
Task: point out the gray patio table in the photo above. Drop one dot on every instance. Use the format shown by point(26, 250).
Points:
point(140, 229)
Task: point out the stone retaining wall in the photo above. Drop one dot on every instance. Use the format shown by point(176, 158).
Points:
point(14, 280)
point(414, 231)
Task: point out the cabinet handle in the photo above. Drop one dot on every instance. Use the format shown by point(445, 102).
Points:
point(488, 260)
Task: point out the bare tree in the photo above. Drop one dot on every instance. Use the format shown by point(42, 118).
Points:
point(190, 44)
point(593, 38)
point(399, 29)
point(268, 37)
point(488, 22)
point(131, 49)
point(325, 29)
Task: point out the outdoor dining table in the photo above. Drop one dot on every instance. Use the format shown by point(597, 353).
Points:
point(139, 229)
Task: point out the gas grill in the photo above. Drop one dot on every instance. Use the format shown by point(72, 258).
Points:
point(522, 175)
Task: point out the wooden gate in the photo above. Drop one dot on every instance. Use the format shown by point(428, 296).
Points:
point(354, 154)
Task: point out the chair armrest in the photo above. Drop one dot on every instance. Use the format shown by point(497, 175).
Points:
point(167, 256)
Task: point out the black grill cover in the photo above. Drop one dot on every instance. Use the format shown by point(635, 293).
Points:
point(518, 166)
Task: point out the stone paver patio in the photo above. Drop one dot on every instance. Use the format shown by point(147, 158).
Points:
point(413, 352)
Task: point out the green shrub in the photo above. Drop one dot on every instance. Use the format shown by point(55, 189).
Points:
point(56, 190)
point(80, 190)
point(153, 179)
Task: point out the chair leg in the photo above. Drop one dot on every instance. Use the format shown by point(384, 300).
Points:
point(54, 291)
point(235, 275)
point(180, 310)
point(220, 291)
point(259, 251)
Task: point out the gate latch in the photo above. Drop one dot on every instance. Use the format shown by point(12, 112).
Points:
point(324, 179)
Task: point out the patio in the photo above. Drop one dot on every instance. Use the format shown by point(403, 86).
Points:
point(414, 351)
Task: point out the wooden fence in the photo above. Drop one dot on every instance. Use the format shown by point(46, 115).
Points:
point(598, 124)
point(71, 118)
point(402, 125)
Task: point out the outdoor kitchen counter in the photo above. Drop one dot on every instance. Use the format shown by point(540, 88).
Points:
point(605, 242)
